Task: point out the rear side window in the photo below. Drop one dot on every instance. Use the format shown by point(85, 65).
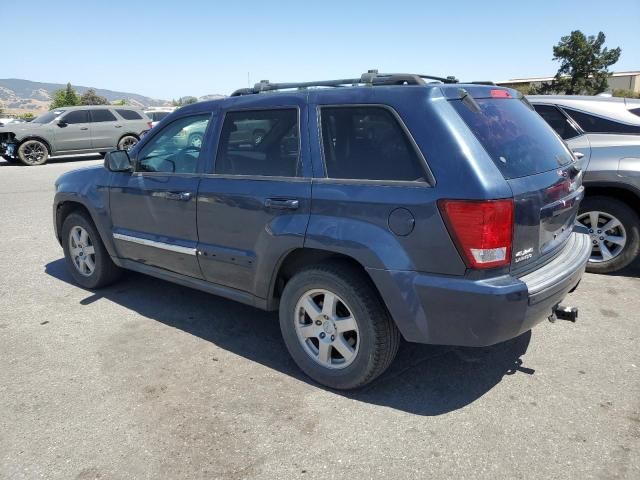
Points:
point(157, 116)
point(77, 116)
point(593, 124)
point(102, 116)
point(557, 120)
point(517, 139)
point(367, 143)
point(129, 114)
point(635, 111)
point(261, 142)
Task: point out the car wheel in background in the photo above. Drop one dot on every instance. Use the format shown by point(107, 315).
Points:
point(195, 140)
point(87, 259)
point(33, 152)
point(336, 327)
point(614, 228)
point(127, 142)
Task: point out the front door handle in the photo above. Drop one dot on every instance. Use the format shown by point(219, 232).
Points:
point(84, 128)
point(118, 126)
point(180, 196)
point(282, 203)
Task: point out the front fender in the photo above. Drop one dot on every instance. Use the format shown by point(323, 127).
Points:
point(88, 188)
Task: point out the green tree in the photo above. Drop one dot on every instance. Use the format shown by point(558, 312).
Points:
point(65, 98)
point(27, 116)
point(90, 97)
point(584, 64)
point(182, 101)
point(121, 102)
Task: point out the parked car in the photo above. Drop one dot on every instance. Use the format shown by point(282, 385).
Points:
point(605, 134)
point(157, 115)
point(9, 121)
point(72, 130)
point(440, 212)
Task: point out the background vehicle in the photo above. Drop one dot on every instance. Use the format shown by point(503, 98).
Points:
point(605, 135)
point(72, 130)
point(8, 121)
point(440, 212)
point(157, 115)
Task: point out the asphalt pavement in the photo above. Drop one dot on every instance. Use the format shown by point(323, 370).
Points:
point(146, 379)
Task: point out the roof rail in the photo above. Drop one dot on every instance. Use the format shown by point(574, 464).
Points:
point(371, 78)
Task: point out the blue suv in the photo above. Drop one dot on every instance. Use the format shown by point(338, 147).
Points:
point(365, 210)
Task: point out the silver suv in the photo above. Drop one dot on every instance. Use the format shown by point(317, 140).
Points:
point(604, 133)
point(73, 130)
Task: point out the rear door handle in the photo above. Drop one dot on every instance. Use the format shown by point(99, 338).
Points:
point(578, 155)
point(282, 203)
point(180, 196)
point(118, 126)
point(84, 128)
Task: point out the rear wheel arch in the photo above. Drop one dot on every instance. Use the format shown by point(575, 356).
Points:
point(298, 259)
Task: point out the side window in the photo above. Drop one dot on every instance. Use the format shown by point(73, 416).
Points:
point(260, 142)
point(367, 143)
point(557, 121)
point(129, 114)
point(77, 116)
point(102, 115)
point(176, 148)
point(594, 124)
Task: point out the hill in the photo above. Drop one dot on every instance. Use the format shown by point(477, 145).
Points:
point(19, 96)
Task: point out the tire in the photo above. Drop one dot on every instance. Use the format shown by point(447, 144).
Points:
point(195, 140)
point(602, 210)
point(104, 271)
point(373, 344)
point(33, 152)
point(126, 142)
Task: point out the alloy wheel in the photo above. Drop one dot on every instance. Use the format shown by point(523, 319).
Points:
point(34, 152)
point(608, 235)
point(82, 251)
point(326, 328)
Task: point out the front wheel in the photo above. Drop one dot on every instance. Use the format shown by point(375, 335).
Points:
point(335, 326)
point(33, 152)
point(614, 228)
point(87, 259)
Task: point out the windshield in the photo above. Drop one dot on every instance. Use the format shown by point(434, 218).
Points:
point(518, 140)
point(47, 117)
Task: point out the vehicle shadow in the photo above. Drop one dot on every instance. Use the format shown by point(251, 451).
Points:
point(423, 380)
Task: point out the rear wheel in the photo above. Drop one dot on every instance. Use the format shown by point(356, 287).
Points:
point(33, 152)
point(335, 326)
point(87, 259)
point(614, 228)
point(127, 142)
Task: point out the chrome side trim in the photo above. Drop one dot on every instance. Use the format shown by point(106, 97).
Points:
point(154, 244)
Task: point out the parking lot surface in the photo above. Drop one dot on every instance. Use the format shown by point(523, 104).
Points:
point(146, 379)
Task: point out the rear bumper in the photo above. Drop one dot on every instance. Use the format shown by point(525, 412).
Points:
point(456, 311)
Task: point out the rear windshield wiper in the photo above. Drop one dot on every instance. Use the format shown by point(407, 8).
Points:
point(468, 100)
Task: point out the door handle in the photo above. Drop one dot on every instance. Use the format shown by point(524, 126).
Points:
point(180, 196)
point(578, 155)
point(84, 128)
point(282, 203)
point(118, 126)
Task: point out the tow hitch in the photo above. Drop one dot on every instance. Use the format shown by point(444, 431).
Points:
point(560, 312)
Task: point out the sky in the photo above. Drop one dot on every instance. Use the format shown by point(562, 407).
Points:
point(168, 49)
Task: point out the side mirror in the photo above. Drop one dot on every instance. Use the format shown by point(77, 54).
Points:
point(118, 161)
point(62, 123)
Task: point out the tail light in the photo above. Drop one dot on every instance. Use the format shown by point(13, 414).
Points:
point(149, 124)
point(482, 230)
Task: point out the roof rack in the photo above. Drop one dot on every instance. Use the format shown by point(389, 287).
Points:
point(372, 77)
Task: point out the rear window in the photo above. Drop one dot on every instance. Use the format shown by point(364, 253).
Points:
point(129, 114)
point(518, 140)
point(157, 116)
point(102, 116)
point(593, 124)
